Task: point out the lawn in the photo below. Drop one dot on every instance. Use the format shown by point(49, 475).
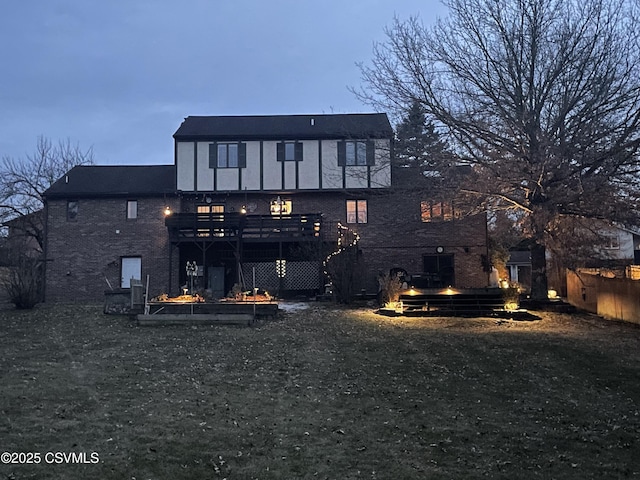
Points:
point(320, 393)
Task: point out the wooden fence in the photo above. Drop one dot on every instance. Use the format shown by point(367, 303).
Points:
point(611, 297)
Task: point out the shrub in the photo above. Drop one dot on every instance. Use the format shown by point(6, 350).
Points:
point(344, 270)
point(390, 287)
point(24, 281)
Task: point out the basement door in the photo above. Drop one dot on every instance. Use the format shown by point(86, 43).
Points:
point(131, 267)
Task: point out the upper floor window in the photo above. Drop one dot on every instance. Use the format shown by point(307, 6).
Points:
point(356, 211)
point(132, 209)
point(435, 211)
point(72, 210)
point(227, 155)
point(289, 151)
point(356, 153)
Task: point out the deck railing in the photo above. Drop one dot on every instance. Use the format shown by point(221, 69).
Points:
point(224, 226)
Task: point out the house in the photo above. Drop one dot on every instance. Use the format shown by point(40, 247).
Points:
point(24, 235)
point(262, 199)
point(620, 245)
point(519, 268)
point(105, 225)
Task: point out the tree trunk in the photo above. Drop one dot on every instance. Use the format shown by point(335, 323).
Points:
point(538, 272)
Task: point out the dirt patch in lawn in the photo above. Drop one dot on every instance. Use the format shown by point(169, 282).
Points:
point(320, 392)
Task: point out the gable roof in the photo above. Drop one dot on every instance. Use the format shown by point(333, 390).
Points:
point(283, 127)
point(101, 180)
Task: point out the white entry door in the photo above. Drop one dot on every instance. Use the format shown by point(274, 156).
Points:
point(131, 268)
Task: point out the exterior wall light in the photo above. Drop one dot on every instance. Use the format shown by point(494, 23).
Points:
point(167, 211)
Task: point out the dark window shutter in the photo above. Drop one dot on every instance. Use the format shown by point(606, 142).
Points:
point(213, 155)
point(242, 155)
point(298, 152)
point(280, 152)
point(342, 154)
point(371, 152)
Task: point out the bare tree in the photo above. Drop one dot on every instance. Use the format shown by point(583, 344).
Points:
point(540, 97)
point(23, 182)
point(22, 185)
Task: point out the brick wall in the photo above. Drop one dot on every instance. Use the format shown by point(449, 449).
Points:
point(394, 235)
point(82, 255)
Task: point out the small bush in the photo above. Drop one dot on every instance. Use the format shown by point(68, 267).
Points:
point(344, 270)
point(511, 297)
point(23, 282)
point(390, 287)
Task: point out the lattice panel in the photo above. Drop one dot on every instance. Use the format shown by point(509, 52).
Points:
point(299, 275)
point(266, 278)
point(302, 275)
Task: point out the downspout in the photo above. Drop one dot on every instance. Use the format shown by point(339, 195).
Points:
point(170, 265)
point(45, 248)
point(486, 244)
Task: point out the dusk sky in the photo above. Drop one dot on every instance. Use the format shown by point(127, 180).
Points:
point(121, 75)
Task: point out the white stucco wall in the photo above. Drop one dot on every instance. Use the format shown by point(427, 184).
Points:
point(205, 174)
point(251, 174)
point(184, 166)
point(272, 175)
point(319, 159)
point(308, 170)
point(331, 172)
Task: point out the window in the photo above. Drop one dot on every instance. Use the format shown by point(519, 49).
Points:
point(356, 211)
point(130, 269)
point(72, 210)
point(227, 155)
point(289, 151)
point(436, 211)
point(132, 209)
point(279, 206)
point(210, 208)
point(611, 242)
point(213, 215)
point(356, 153)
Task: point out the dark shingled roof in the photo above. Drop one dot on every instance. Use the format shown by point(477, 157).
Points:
point(517, 256)
point(285, 127)
point(99, 181)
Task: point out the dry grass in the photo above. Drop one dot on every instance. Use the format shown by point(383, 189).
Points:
point(322, 393)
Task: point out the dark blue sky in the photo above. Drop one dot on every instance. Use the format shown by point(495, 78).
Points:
point(120, 75)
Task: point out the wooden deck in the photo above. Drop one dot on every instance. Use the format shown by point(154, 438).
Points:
point(450, 301)
point(221, 227)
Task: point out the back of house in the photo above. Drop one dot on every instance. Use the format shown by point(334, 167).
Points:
point(257, 199)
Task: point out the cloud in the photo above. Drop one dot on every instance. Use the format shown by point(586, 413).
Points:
point(121, 75)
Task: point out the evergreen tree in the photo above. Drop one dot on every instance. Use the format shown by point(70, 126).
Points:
point(418, 144)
